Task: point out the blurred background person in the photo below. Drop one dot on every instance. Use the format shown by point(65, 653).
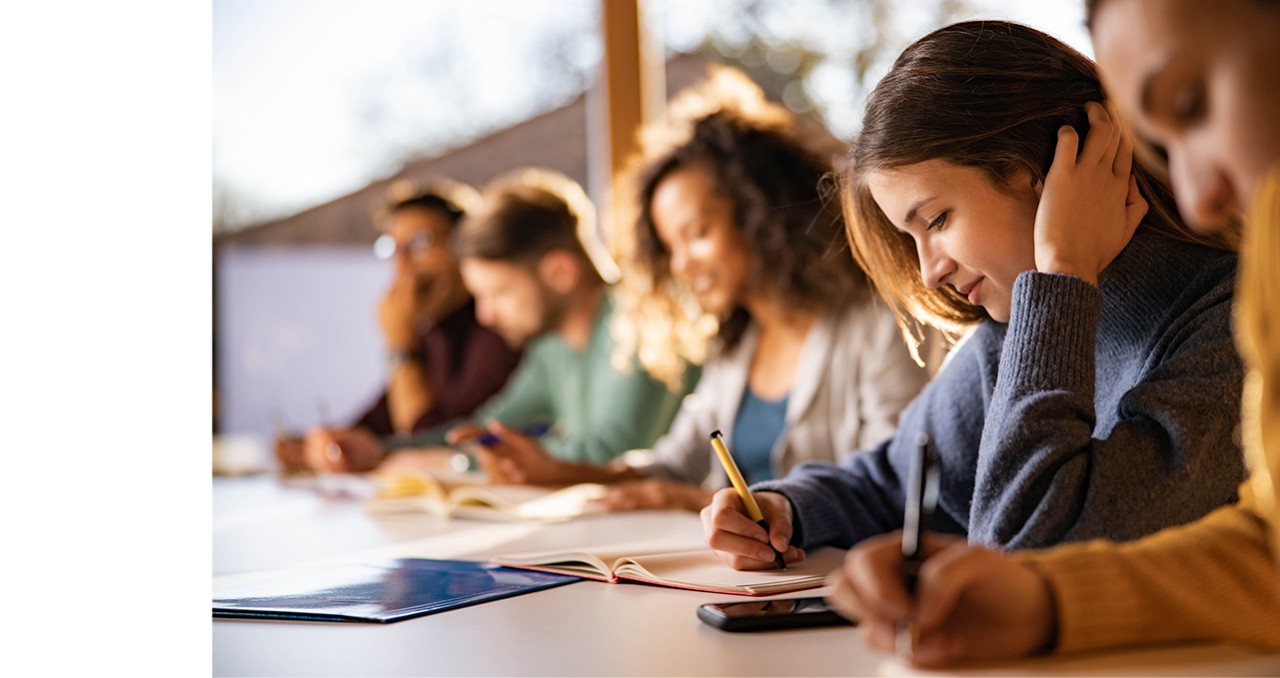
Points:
point(732, 245)
point(541, 277)
point(441, 363)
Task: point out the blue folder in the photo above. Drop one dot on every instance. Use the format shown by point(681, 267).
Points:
point(379, 592)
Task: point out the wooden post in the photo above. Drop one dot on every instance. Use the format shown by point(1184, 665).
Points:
point(632, 86)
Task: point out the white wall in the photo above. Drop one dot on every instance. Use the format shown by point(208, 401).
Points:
point(296, 327)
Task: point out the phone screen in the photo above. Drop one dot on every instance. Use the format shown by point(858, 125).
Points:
point(759, 615)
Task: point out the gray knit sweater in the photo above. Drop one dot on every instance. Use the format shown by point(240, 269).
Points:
point(1093, 413)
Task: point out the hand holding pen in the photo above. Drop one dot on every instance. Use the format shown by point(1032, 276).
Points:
point(748, 531)
point(351, 450)
point(934, 599)
point(922, 498)
point(510, 455)
point(467, 458)
point(330, 449)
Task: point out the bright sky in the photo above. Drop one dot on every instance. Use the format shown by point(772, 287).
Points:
point(314, 98)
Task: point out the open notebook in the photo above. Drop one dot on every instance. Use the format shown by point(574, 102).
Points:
point(696, 569)
point(467, 496)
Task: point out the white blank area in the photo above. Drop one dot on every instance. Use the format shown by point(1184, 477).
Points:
point(296, 328)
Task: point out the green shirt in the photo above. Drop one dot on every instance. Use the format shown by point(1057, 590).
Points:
point(598, 412)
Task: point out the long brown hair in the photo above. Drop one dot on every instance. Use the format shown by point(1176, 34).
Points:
point(985, 94)
point(771, 168)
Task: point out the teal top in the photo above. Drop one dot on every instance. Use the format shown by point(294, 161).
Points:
point(755, 431)
point(597, 411)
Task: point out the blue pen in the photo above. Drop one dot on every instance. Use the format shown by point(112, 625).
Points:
point(532, 430)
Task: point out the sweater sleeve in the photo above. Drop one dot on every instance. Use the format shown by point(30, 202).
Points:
point(483, 368)
point(1214, 579)
point(1045, 475)
point(627, 411)
point(524, 400)
point(377, 417)
point(864, 494)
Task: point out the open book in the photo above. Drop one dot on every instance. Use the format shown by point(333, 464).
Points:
point(697, 569)
point(467, 496)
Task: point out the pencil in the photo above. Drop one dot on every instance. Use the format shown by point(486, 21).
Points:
point(739, 484)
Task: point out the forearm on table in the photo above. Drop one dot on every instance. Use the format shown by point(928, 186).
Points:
point(839, 505)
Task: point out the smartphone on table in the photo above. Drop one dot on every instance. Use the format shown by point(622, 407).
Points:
point(764, 615)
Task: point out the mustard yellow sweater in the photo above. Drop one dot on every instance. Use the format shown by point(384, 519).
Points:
point(1217, 578)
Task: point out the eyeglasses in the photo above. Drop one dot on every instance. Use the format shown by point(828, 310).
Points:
point(386, 246)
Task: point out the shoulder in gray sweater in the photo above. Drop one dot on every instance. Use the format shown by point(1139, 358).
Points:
point(1094, 413)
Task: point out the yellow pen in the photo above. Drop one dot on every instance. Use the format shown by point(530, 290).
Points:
point(739, 484)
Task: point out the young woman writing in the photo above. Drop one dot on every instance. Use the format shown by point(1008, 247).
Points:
point(1200, 81)
point(1095, 394)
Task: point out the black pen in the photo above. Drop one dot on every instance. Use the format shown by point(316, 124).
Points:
point(922, 497)
point(918, 508)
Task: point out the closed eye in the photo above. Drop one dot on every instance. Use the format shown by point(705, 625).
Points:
point(1190, 105)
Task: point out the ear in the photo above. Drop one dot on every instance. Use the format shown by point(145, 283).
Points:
point(1022, 182)
point(560, 271)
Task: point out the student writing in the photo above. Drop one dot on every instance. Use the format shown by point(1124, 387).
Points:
point(1094, 394)
point(1199, 81)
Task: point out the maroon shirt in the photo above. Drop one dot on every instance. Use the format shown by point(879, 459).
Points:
point(465, 364)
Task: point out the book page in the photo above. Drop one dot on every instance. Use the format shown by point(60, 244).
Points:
point(523, 502)
point(469, 496)
point(599, 559)
point(407, 493)
point(581, 563)
point(402, 484)
point(702, 570)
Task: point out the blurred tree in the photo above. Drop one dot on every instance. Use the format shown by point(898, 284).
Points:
point(815, 56)
point(821, 56)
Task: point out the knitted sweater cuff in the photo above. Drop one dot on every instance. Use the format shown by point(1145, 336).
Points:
point(1058, 311)
point(789, 490)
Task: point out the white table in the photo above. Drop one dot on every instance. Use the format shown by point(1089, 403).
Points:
point(582, 629)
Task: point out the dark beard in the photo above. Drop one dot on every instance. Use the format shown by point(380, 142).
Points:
point(554, 308)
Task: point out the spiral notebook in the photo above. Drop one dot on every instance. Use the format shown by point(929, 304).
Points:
point(379, 592)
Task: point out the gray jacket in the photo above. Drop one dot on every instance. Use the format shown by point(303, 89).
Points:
point(854, 377)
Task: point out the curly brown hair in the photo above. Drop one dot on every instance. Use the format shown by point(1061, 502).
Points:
point(773, 170)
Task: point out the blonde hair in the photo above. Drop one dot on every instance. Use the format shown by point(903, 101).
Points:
point(1258, 333)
